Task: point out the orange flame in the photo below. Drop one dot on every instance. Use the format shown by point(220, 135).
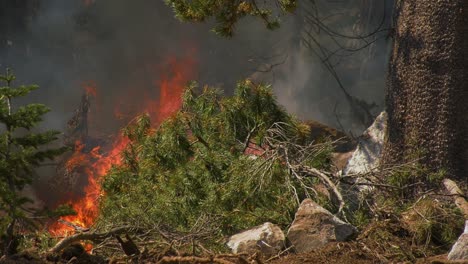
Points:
point(90, 88)
point(96, 166)
point(171, 87)
point(175, 74)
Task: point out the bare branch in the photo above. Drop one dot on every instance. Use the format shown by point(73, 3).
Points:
point(88, 236)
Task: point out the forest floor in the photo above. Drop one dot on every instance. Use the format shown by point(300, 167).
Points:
point(381, 242)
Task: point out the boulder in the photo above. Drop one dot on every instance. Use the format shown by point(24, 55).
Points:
point(459, 250)
point(268, 238)
point(314, 227)
point(364, 159)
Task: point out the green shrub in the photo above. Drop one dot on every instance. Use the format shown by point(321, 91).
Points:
point(196, 168)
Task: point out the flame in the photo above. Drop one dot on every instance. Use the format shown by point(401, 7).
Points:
point(90, 88)
point(171, 87)
point(174, 75)
point(96, 165)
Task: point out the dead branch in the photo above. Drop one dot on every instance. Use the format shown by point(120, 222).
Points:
point(270, 66)
point(458, 195)
point(249, 135)
point(283, 146)
point(88, 236)
point(330, 184)
point(286, 147)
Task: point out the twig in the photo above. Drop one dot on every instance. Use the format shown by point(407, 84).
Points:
point(279, 254)
point(335, 190)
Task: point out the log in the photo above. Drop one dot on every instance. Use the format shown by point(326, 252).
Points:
point(458, 195)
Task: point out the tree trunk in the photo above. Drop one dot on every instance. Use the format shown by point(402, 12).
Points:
point(427, 92)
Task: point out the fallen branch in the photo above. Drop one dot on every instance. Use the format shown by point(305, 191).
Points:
point(458, 195)
point(330, 184)
point(88, 236)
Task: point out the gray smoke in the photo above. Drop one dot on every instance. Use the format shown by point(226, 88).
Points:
point(302, 82)
point(114, 43)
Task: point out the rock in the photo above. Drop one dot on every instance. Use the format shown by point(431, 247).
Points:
point(459, 250)
point(365, 159)
point(268, 238)
point(340, 160)
point(314, 227)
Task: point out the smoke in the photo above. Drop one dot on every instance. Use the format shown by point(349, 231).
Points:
point(306, 87)
point(116, 44)
point(119, 46)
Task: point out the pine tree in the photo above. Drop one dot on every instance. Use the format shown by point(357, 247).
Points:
point(227, 12)
point(204, 167)
point(21, 150)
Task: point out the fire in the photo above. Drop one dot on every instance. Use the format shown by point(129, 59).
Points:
point(96, 166)
point(90, 88)
point(171, 87)
point(174, 75)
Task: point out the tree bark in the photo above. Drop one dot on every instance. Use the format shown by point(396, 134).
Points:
point(427, 90)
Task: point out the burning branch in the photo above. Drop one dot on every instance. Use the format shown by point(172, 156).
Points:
point(77, 126)
point(76, 227)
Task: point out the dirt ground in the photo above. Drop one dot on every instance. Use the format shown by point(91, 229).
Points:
point(381, 242)
point(350, 253)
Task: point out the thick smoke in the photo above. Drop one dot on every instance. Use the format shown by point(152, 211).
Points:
point(61, 45)
point(354, 38)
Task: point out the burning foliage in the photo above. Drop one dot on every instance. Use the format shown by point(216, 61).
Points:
point(91, 158)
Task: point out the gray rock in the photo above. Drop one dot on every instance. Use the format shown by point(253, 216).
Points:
point(459, 250)
point(314, 227)
point(365, 159)
point(268, 238)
